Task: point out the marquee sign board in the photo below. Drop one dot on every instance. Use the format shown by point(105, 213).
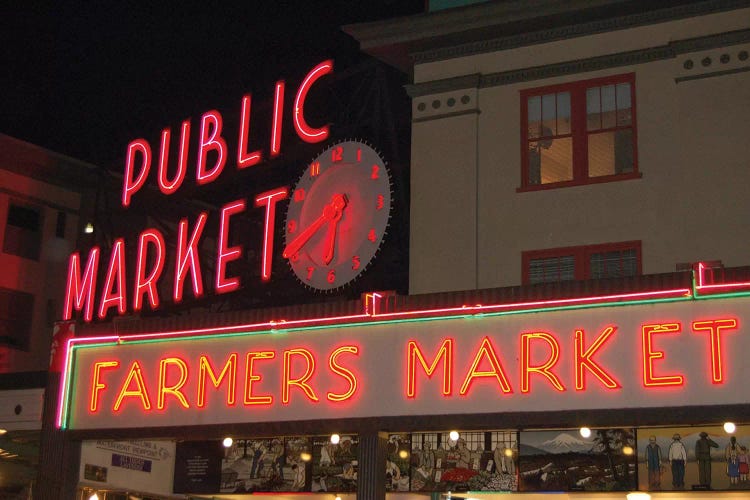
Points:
point(626, 356)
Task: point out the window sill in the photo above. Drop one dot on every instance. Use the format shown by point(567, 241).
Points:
point(580, 182)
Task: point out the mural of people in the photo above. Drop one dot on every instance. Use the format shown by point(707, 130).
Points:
point(744, 460)
point(731, 455)
point(677, 459)
point(703, 456)
point(653, 463)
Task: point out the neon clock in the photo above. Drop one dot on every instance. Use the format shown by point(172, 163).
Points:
point(337, 215)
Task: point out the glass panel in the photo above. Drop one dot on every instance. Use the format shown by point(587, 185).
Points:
point(563, 113)
point(593, 109)
point(535, 116)
point(552, 269)
point(624, 113)
point(611, 153)
point(549, 113)
point(550, 160)
point(609, 106)
point(613, 264)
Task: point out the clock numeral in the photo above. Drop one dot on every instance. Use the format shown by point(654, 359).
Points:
point(337, 154)
point(380, 202)
point(291, 226)
point(355, 262)
point(299, 195)
point(294, 257)
point(374, 174)
point(331, 277)
point(359, 155)
point(371, 235)
point(310, 272)
point(314, 168)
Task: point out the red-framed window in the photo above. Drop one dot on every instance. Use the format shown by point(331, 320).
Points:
point(579, 133)
point(609, 260)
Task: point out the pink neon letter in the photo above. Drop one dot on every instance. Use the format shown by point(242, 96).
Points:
point(305, 132)
point(278, 112)
point(186, 257)
point(245, 159)
point(131, 186)
point(714, 328)
point(212, 141)
point(80, 289)
point(147, 284)
point(224, 253)
point(116, 272)
point(166, 186)
point(269, 200)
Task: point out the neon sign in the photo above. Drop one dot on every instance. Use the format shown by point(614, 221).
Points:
point(212, 152)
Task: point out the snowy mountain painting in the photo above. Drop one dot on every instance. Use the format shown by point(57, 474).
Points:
point(565, 461)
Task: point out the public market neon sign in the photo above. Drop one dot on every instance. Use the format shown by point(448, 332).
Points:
point(82, 278)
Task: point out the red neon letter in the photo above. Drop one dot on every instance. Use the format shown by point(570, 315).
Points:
point(486, 350)
point(269, 200)
point(131, 186)
point(300, 382)
point(96, 385)
point(245, 159)
point(174, 389)
point(188, 252)
point(415, 353)
point(212, 142)
point(147, 284)
point(250, 377)
point(343, 372)
point(543, 369)
point(649, 355)
point(230, 370)
point(166, 186)
point(714, 328)
point(224, 253)
point(140, 388)
point(278, 112)
point(583, 360)
point(115, 274)
point(80, 290)
point(305, 132)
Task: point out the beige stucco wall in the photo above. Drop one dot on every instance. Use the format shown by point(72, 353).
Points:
point(693, 152)
point(45, 278)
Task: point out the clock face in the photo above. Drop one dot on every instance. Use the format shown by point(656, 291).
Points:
point(337, 215)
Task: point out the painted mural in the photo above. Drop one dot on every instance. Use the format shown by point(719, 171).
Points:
point(476, 461)
point(563, 460)
point(397, 465)
point(335, 466)
point(693, 458)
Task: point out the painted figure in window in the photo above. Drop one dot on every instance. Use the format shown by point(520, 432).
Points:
point(464, 454)
point(744, 460)
point(503, 457)
point(677, 458)
point(731, 455)
point(653, 463)
point(427, 458)
point(703, 455)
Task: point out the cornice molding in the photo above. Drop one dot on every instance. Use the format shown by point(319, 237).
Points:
point(620, 59)
point(571, 31)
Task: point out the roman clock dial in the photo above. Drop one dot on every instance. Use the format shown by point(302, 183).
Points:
point(337, 215)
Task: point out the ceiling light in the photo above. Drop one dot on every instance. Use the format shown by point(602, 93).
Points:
point(729, 427)
point(335, 438)
point(453, 435)
point(227, 442)
point(585, 432)
point(88, 230)
point(305, 456)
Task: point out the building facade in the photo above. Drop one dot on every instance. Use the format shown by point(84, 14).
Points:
point(578, 261)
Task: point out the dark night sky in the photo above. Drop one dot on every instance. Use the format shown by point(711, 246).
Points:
point(85, 80)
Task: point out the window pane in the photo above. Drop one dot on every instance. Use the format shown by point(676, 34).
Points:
point(550, 160)
point(535, 116)
point(624, 112)
point(549, 115)
point(614, 264)
point(16, 310)
point(609, 106)
point(552, 269)
point(563, 113)
point(23, 235)
point(611, 153)
point(593, 109)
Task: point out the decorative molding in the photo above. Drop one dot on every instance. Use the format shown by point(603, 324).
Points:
point(571, 31)
point(621, 59)
point(710, 75)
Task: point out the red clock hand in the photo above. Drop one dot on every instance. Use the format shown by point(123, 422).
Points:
point(338, 202)
point(331, 237)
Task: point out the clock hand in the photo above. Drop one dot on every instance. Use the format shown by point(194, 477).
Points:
point(331, 237)
point(338, 202)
